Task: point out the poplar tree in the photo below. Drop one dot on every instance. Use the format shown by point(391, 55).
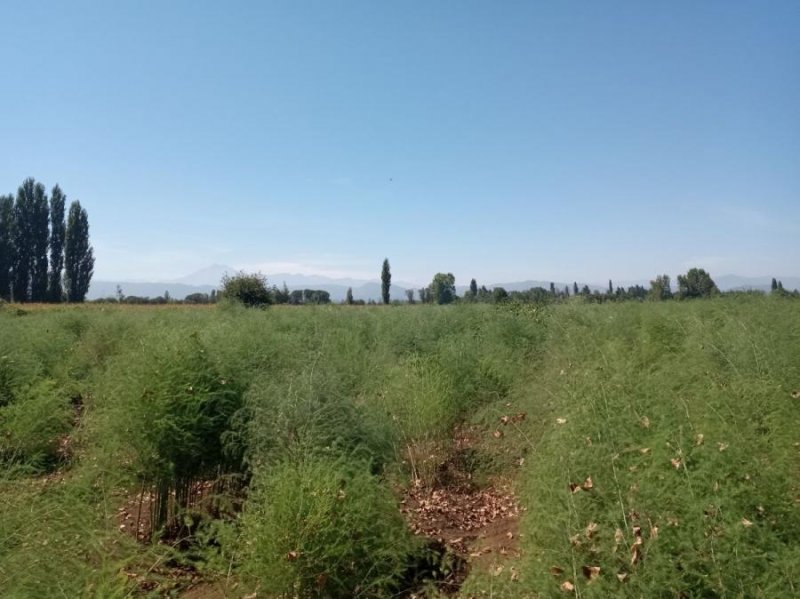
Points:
point(386, 281)
point(349, 296)
point(78, 254)
point(40, 242)
point(58, 200)
point(22, 241)
point(6, 245)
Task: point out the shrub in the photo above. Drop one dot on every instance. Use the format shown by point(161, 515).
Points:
point(169, 411)
point(249, 289)
point(32, 427)
point(302, 417)
point(324, 527)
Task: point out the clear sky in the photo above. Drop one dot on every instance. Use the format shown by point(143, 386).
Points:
point(496, 140)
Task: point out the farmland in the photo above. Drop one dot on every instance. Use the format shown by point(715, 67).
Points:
point(637, 449)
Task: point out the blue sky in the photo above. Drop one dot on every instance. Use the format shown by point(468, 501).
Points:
point(496, 140)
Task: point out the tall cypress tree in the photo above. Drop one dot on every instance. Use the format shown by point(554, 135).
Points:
point(40, 242)
point(386, 281)
point(6, 245)
point(22, 240)
point(58, 200)
point(78, 254)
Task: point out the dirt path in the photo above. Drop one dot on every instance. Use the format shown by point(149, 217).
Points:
point(477, 525)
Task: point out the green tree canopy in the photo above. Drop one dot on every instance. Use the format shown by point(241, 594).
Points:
point(40, 241)
point(249, 289)
point(58, 229)
point(660, 288)
point(499, 294)
point(443, 288)
point(386, 281)
point(78, 254)
point(696, 283)
point(6, 245)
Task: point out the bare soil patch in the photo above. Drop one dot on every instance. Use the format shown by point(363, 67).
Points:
point(476, 525)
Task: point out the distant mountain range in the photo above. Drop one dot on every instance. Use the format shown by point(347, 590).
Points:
point(206, 279)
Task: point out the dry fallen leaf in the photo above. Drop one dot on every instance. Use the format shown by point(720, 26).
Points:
point(636, 553)
point(574, 487)
point(588, 484)
point(676, 463)
point(498, 434)
point(645, 422)
point(561, 420)
point(591, 529)
point(654, 532)
point(619, 537)
point(497, 571)
point(568, 587)
point(504, 419)
point(556, 571)
point(746, 523)
point(292, 556)
point(622, 576)
point(796, 394)
point(591, 572)
point(644, 450)
point(699, 438)
point(322, 580)
point(722, 446)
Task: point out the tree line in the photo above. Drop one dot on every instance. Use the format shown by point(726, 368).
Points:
point(696, 283)
point(253, 290)
point(45, 254)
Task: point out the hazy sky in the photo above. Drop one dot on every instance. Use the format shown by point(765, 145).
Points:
point(497, 140)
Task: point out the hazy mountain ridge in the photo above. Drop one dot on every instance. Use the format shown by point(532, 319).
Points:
point(206, 279)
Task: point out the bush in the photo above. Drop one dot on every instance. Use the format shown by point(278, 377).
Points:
point(301, 417)
point(169, 410)
point(324, 527)
point(248, 289)
point(32, 427)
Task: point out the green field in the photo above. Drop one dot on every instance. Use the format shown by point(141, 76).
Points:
point(651, 450)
